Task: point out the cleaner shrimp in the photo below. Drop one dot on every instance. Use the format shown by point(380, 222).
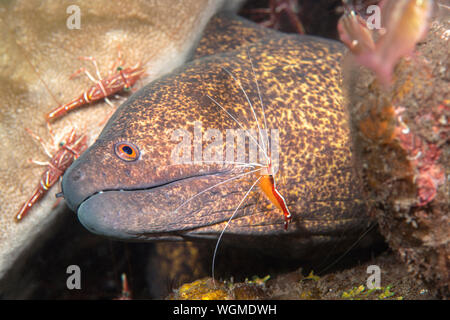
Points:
point(264, 172)
point(119, 79)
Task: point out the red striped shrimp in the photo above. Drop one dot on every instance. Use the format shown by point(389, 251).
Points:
point(268, 186)
point(69, 149)
point(120, 79)
point(266, 181)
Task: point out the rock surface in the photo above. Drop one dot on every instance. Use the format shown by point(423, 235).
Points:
point(401, 136)
point(38, 54)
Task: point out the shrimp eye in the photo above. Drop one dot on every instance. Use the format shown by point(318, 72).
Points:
point(126, 151)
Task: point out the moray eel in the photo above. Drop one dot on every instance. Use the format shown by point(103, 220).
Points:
point(299, 83)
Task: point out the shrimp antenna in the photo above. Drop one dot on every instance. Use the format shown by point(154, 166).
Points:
point(231, 116)
point(251, 106)
point(226, 226)
point(216, 185)
point(260, 99)
point(349, 249)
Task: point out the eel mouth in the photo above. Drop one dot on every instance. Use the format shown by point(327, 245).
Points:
point(174, 210)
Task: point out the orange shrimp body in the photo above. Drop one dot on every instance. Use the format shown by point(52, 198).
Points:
point(63, 158)
point(267, 184)
point(123, 80)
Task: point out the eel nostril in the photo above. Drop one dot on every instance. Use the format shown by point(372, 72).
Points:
point(77, 175)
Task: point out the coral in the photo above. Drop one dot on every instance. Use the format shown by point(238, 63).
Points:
point(402, 23)
point(401, 139)
point(207, 289)
point(362, 292)
point(349, 284)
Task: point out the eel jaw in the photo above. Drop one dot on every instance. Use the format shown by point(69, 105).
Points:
point(150, 213)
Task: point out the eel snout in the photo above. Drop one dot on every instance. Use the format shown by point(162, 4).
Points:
point(169, 207)
point(72, 194)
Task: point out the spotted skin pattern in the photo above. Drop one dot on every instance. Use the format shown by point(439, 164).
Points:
point(299, 79)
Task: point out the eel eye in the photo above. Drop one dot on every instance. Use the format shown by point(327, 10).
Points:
point(126, 151)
